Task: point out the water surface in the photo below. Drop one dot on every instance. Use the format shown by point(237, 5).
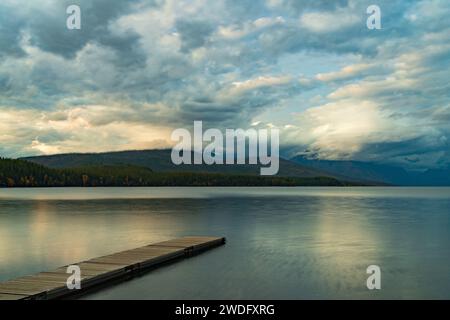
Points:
point(283, 243)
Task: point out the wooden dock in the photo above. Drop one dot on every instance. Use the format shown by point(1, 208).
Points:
point(103, 270)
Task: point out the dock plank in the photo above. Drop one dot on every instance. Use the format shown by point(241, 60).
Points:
point(101, 270)
point(190, 242)
point(4, 296)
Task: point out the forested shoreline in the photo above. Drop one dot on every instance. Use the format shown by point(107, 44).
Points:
point(21, 173)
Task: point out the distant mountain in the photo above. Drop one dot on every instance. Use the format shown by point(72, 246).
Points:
point(160, 161)
point(357, 172)
point(435, 177)
point(383, 174)
point(22, 173)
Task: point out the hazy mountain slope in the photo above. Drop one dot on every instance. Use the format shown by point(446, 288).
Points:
point(366, 171)
point(435, 177)
point(160, 161)
point(358, 170)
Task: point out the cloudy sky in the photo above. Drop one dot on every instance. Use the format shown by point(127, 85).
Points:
point(139, 69)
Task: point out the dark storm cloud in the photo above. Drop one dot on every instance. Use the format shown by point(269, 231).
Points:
point(9, 33)
point(49, 32)
point(193, 33)
point(351, 39)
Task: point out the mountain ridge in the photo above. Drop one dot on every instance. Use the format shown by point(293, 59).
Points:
point(380, 173)
point(159, 160)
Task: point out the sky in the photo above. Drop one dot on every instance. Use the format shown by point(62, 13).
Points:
point(138, 69)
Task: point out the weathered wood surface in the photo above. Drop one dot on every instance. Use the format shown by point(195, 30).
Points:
point(101, 270)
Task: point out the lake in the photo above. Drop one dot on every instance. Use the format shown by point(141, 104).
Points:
point(282, 243)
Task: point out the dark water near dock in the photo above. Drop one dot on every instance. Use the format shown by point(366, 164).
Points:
point(293, 243)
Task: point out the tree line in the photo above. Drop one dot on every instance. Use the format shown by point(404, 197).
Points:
point(21, 173)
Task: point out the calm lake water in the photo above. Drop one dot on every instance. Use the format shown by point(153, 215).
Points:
point(282, 243)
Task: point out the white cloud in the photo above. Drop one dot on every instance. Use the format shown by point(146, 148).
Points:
point(259, 82)
point(238, 31)
point(75, 130)
point(340, 129)
point(345, 73)
point(333, 21)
